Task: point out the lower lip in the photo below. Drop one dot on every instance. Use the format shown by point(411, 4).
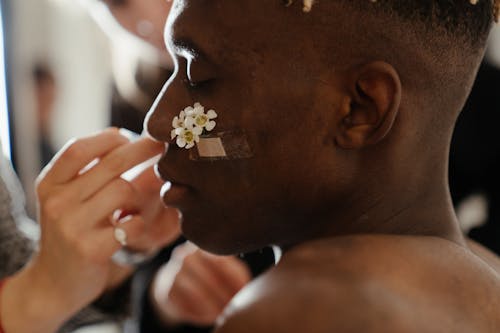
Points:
point(173, 194)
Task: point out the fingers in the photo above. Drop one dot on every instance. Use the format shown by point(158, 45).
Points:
point(104, 241)
point(210, 281)
point(118, 194)
point(231, 271)
point(114, 164)
point(77, 154)
point(163, 225)
point(160, 231)
point(193, 303)
point(147, 182)
point(196, 286)
point(113, 155)
point(75, 202)
point(226, 272)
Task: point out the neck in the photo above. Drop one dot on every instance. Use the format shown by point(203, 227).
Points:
point(412, 199)
point(404, 211)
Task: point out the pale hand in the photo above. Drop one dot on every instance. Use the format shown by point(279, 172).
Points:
point(75, 205)
point(194, 286)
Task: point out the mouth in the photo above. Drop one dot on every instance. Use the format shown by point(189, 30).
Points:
point(166, 175)
point(174, 191)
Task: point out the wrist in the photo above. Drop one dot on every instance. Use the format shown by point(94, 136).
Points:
point(29, 303)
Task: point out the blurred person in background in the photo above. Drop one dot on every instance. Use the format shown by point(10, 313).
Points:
point(45, 93)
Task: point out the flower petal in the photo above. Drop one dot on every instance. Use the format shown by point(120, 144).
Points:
point(210, 125)
point(197, 130)
point(211, 114)
point(198, 108)
point(180, 141)
point(173, 134)
point(175, 122)
point(189, 122)
point(190, 145)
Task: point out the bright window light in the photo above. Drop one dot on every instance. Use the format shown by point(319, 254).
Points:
point(4, 116)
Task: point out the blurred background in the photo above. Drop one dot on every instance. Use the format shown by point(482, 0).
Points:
point(70, 71)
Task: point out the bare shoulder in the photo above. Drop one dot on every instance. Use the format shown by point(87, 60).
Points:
point(370, 284)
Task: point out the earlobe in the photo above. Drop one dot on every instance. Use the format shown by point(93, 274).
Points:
point(368, 113)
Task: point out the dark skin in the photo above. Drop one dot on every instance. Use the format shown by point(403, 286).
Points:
point(349, 173)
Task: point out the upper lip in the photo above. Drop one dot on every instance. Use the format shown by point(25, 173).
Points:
point(166, 175)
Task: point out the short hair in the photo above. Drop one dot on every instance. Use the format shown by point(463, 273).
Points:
point(469, 20)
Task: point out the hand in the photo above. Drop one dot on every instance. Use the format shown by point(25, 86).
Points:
point(195, 286)
point(160, 224)
point(77, 193)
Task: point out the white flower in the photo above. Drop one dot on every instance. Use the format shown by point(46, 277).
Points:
point(205, 121)
point(191, 123)
point(178, 122)
point(186, 138)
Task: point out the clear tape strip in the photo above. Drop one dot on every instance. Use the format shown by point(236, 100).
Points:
point(225, 145)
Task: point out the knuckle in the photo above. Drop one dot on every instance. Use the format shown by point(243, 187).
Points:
point(114, 163)
point(75, 151)
point(52, 208)
point(123, 187)
point(41, 188)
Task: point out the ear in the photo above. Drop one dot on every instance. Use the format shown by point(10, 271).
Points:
point(372, 104)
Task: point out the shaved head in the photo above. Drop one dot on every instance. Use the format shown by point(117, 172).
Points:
point(435, 45)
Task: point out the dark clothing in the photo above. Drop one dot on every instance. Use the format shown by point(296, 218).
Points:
point(475, 153)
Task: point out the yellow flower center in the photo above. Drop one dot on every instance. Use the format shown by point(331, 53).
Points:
point(201, 120)
point(188, 136)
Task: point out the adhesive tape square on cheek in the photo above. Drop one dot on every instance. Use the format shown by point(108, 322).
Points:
point(226, 145)
point(193, 127)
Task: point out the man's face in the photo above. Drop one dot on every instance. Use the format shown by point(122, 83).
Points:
point(143, 18)
point(252, 63)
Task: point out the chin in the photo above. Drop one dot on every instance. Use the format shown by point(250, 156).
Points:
point(223, 238)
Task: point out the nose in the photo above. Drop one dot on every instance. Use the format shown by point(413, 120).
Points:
point(170, 101)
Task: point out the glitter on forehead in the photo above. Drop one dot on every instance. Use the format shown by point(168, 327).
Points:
point(307, 6)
